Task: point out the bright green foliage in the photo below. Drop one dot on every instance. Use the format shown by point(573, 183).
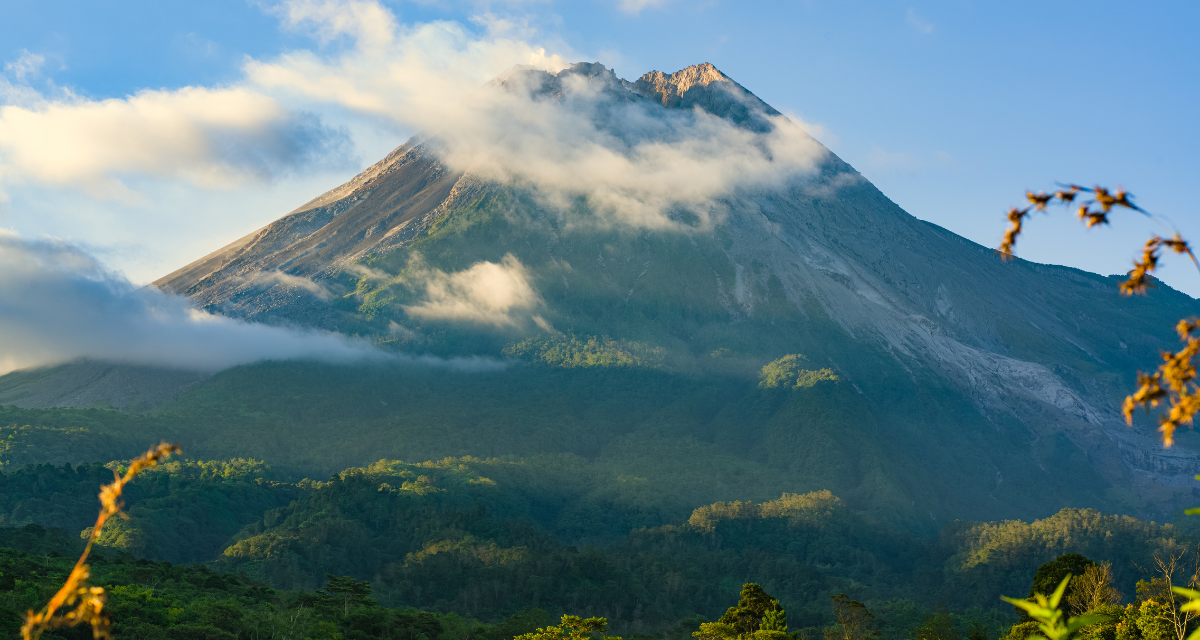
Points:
point(1024, 631)
point(1191, 606)
point(572, 628)
point(786, 373)
point(717, 631)
point(1127, 628)
point(1052, 623)
point(591, 351)
point(812, 507)
point(1106, 629)
point(1156, 588)
point(1000, 557)
point(774, 620)
point(757, 616)
point(747, 617)
point(1154, 621)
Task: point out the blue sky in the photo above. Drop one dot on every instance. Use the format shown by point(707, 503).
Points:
point(951, 108)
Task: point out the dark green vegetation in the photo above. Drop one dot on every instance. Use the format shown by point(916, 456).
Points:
point(489, 539)
point(693, 438)
point(159, 600)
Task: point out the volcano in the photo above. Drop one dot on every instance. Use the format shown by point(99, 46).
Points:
point(922, 377)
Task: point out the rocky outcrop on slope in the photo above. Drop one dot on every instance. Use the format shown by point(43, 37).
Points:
point(704, 86)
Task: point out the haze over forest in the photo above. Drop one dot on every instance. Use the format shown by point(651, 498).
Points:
point(640, 348)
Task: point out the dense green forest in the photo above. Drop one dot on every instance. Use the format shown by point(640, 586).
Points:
point(150, 599)
point(696, 439)
point(473, 543)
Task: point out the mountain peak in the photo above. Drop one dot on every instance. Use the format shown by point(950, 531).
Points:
point(703, 85)
point(668, 88)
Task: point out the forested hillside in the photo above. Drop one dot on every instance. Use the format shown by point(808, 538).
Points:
point(750, 432)
point(488, 539)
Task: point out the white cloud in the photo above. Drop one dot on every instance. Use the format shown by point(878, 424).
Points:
point(636, 6)
point(678, 158)
point(369, 23)
point(814, 129)
point(410, 75)
point(486, 293)
point(426, 77)
point(212, 138)
point(293, 282)
point(209, 137)
point(57, 304)
point(921, 25)
point(27, 64)
point(374, 75)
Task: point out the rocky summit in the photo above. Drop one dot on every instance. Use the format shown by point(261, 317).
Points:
point(923, 377)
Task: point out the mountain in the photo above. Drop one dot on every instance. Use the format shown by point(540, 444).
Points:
point(925, 378)
point(90, 383)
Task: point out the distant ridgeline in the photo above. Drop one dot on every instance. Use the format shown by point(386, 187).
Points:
point(494, 539)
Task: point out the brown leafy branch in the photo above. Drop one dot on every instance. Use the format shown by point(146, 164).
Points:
point(77, 602)
point(1092, 212)
point(1175, 381)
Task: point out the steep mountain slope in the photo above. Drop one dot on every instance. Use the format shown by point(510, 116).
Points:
point(966, 385)
point(88, 383)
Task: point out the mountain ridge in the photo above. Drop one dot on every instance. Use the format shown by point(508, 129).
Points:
point(822, 264)
point(669, 89)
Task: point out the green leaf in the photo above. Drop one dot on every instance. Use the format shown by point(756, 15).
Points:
point(1193, 597)
point(1058, 593)
point(1076, 624)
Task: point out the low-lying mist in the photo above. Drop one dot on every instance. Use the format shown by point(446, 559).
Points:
point(57, 304)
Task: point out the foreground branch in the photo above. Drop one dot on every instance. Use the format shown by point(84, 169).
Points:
point(88, 601)
point(1175, 381)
